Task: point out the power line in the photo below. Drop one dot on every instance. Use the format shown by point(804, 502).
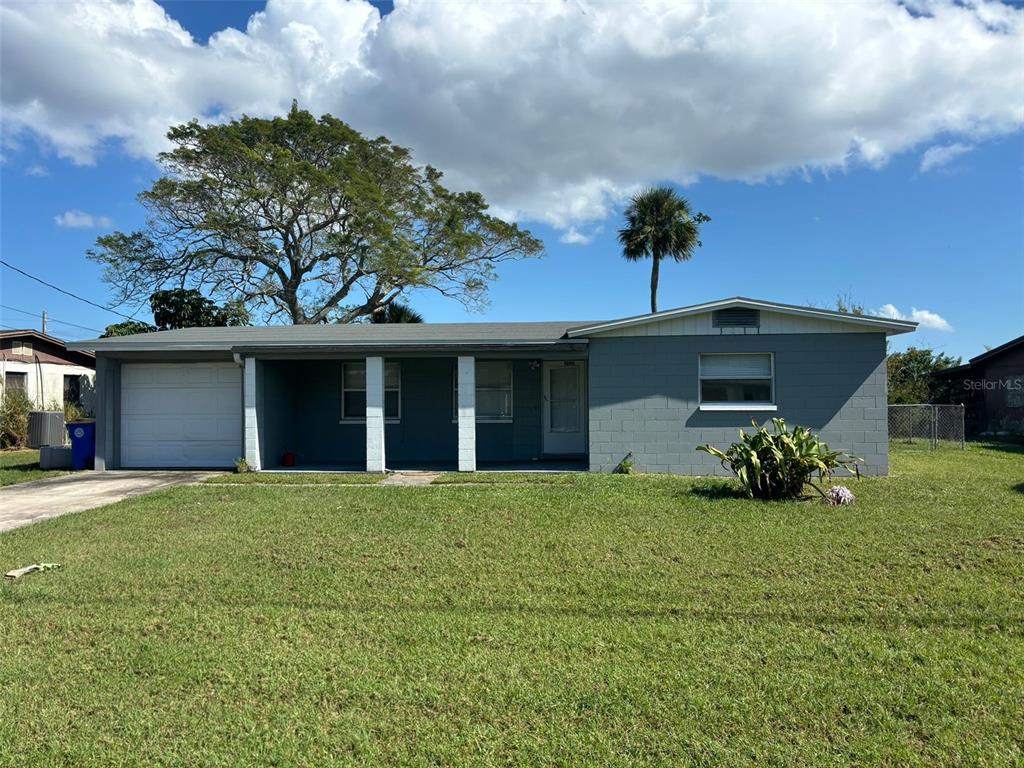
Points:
point(50, 319)
point(66, 293)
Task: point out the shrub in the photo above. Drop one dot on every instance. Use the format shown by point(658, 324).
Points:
point(626, 466)
point(242, 466)
point(14, 409)
point(778, 464)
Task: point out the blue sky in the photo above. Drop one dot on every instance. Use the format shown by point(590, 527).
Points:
point(943, 235)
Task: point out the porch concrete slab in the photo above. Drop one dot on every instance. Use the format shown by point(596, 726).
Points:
point(26, 503)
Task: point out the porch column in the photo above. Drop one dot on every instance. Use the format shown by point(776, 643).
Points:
point(251, 428)
point(375, 414)
point(467, 414)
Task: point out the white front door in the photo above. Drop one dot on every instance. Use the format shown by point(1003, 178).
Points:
point(564, 412)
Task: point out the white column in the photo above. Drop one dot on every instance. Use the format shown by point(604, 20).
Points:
point(375, 414)
point(467, 414)
point(251, 428)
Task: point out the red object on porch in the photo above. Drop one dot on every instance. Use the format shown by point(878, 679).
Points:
point(288, 459)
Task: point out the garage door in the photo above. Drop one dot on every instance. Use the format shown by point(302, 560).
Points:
point(181, 415)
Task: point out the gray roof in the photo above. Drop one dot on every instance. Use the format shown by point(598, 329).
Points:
point(436, 335)
point(350, 335)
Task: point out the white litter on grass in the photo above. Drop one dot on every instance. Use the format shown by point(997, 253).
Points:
point(35, 567)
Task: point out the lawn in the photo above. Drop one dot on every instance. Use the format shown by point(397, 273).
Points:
point(297, 478)
point(615, 620)
point(21, 466)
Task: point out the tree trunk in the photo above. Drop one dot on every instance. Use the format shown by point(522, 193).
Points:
point(655, 263)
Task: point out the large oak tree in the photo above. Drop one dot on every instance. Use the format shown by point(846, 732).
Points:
point(308, 221)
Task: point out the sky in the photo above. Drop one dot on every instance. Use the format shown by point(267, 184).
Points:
point(872, 150)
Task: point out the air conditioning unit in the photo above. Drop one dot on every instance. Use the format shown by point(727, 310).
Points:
point(45, 428)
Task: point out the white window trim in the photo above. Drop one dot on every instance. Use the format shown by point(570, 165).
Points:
point(511, 391)
point(727, 406)
point(362, 419)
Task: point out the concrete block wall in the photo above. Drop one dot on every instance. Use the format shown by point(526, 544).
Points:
point(644, 398)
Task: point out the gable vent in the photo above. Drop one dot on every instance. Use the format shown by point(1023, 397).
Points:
point(737, 317)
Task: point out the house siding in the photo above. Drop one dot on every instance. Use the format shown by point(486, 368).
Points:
point(301, 412)
point(644, 397)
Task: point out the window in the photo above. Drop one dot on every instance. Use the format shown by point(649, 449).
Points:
point(493, 391)
point(737, 382)
point(72, 390)
point(16, 381)
point(353, 391)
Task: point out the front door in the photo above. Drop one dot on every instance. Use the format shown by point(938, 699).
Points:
point(564, 388)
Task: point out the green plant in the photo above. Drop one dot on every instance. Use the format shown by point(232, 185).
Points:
point(626, 466)
point(242, 466)
point(659, 225)
point(72, 412)
point(778, 464)
point(14, 409)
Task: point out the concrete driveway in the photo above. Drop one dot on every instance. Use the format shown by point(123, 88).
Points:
point(28, 502)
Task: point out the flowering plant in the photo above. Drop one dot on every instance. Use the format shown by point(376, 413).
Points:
point(839, 496)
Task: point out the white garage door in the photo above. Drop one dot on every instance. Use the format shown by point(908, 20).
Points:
point(181, 415)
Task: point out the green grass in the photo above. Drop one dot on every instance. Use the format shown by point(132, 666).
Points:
point(22, 466)
point(297, 478)
point(475, 478)
point(615, 621)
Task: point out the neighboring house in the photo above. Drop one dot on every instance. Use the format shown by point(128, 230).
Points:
point(503, 395)
point(45, 369)
point(991, 387)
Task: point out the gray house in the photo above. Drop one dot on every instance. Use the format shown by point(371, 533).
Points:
point(504, 395)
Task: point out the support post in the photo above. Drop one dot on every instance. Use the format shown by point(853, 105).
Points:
point(375, 414)
point(467, 414)
point(251, 423)
point(102, 384)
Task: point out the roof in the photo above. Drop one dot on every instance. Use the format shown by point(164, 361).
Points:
point(886, 324)
point(343, 335)
point(23, 333)
point(436, 335)
point(998, 350)
point(987, 355)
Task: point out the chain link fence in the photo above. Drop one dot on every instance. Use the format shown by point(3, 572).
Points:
point(927, 425)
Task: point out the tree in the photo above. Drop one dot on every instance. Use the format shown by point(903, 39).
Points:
point(181, 308)
point(185, 308)
point(306, 220)
point(846, 304)
point(127, 328)
point(659, 224)
point(396, 312)
point(910, 375)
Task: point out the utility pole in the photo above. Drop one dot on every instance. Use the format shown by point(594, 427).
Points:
point(44, 322)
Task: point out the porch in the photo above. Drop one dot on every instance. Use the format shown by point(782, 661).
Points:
point(416, 412)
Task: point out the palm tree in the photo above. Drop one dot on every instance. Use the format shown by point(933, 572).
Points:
point(659, 223)
point(396, 312)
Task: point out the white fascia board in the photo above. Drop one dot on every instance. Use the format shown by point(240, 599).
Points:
point(888, 324)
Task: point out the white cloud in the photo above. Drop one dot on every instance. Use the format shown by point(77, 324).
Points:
point(574, 237)
point(37, 170)
point(923, 317)
point(554, 110)
point(75, 219)
point(942, 155)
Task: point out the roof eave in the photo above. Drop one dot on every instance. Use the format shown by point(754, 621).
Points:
point(890, 326)
point(394, 346)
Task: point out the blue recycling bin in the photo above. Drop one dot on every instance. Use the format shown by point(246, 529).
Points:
point(83, 444)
